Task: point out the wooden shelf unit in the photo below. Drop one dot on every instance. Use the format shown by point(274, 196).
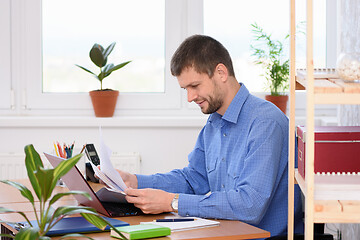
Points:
point(330, 90)
point(332, 210)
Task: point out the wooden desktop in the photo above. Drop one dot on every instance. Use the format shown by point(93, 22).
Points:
point(11, 198)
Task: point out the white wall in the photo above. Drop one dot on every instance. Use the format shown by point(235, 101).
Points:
point(163, 143)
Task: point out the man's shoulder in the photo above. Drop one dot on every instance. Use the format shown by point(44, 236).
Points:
point(262, 110)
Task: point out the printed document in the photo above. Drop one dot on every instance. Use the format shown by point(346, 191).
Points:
point(108, 174)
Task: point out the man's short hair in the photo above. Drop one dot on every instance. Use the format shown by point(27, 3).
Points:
point(203, 53)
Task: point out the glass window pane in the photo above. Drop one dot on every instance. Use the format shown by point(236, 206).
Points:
point(229, 22)
point(70, 28)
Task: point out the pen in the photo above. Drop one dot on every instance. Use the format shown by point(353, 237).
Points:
point(175, 220)
point(83, 148)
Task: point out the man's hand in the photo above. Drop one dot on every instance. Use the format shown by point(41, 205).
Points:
point(129, 179)
point(150, 201)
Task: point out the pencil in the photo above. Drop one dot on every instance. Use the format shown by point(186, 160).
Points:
point(56, 151)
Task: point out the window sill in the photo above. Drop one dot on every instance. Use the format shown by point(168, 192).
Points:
point(79, 122)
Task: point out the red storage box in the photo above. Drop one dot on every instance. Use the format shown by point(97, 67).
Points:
point(337, 149)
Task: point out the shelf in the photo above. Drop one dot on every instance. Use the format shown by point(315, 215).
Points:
point(337, 98)
point(346, 211)
point(325, 201)
point(329, 89)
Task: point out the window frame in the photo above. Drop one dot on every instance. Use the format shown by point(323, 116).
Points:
point(6, 91)
point(36, 99)
point(22, 89)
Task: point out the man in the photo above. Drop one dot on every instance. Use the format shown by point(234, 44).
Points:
point(238, 168)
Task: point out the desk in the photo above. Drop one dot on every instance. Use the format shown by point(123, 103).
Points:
point(227, 229)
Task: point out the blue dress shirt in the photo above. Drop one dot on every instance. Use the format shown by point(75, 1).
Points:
point(238, 169)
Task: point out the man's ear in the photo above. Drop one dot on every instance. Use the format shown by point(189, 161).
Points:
point(222, 71)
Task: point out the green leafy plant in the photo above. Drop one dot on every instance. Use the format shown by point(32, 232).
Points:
point(99, 56)
point(270, 56)
point(43, 182)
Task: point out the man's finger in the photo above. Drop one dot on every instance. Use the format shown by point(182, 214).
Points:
point(133, 192)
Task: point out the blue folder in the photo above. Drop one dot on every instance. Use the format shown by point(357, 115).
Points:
point(74, 225)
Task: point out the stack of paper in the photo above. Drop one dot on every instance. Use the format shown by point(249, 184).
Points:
point(108, 174)
point(186, 225)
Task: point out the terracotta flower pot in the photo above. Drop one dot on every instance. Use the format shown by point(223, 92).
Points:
point(104, 102)
point(280, 101)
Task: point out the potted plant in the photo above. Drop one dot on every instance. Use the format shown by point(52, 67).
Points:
point(43, 182)
point(103, 100)
point(270, 56)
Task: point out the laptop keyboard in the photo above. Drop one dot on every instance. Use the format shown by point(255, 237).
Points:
point(121, 209)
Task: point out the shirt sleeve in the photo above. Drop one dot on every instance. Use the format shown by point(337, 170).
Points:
point(189, 180)
point(255, 182)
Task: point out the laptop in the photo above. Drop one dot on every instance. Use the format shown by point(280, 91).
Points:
point(75, 181)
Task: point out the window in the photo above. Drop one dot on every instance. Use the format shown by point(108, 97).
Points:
point(139, 33)
point(230, 21)
point(164, 93)
point(35, 81)
point(5, 59)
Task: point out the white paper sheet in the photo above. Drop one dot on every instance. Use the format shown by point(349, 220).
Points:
point(107, 181)
point(106, 165)
point(188, 225)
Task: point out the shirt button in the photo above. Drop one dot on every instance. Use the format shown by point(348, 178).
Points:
point(223, 159)
point(224, 135)
point(223, 186)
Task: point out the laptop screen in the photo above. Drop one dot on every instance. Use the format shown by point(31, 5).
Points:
point(75, 181)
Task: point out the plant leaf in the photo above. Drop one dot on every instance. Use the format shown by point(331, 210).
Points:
point(74, 235)
point(95, 220)
point(100, 222)
point(64, 167)
point(44, 238)
point(109, 49)
point(108, 67)
point(87, 70)
point(60, 195)
point(120, 66)
point(69, 210)
point(27, 234)
point(6, 235)
point(96, 55)
point(23, 190)
point(49, 215)
point(114, 68)
point(32, 163)
point(7, 210)
point(45, 178)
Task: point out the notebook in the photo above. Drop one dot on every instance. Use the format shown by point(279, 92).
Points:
point(73, 225)
point(75, 181)
point(141, 231)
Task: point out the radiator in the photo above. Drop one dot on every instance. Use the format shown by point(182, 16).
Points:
point(12, 165)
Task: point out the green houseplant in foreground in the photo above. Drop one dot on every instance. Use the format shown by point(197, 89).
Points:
point(43, 182)
point(104, 100)
point(269, 54)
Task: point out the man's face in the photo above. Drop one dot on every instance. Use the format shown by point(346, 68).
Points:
point(202, 90)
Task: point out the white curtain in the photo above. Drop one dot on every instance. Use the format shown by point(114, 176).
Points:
point(349, 115)
point(349, 17)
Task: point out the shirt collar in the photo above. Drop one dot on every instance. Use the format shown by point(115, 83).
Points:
point(233, 111)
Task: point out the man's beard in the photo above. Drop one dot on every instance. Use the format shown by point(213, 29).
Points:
point(215, 100)
point(213, 106)
point(214, 103)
